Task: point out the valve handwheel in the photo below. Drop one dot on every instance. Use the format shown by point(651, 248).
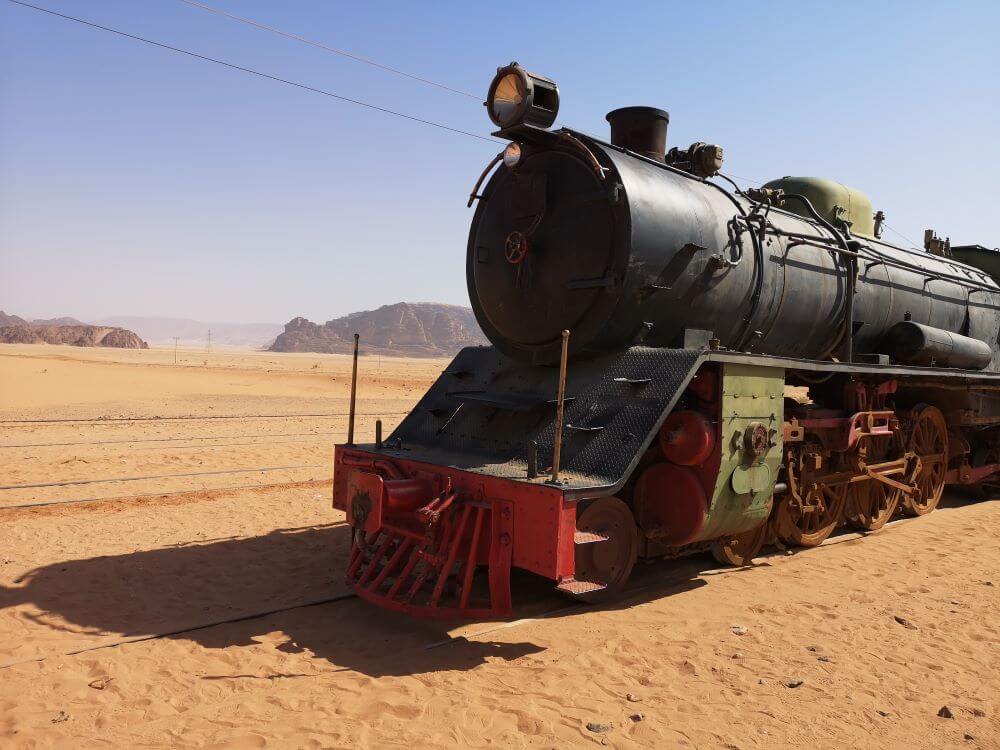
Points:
point(516, 247)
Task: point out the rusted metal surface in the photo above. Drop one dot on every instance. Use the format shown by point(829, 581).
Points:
point(871, 504)
point(740, 549)
point(808, 513)
point(928, 439)
point(606, 562)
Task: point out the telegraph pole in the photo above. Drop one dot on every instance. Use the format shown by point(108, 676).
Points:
point(209, 341)
point(175, 348)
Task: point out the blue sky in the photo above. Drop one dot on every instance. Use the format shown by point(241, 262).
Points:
point(137, 181)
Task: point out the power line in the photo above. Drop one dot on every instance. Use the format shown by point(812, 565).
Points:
point(268, 76)
point(751, 180)
point(914, 244)
point(334, 50)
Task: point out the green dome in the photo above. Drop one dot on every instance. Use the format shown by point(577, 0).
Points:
point(833, 201)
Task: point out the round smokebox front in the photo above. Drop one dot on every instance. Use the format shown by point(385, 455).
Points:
point(541, 255)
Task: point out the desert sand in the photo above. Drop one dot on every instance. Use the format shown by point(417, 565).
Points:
point(201, 494)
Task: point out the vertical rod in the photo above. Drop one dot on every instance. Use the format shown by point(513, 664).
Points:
point(354, 392)
point(470, 565)
point(378, 434)
point(852, 276)
point(560, 399)
point(456, 542)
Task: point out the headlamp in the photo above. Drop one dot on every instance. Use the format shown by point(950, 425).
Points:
point(517, 97)
point(512, 155)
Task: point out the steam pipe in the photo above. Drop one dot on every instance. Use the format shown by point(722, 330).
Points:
point(852, 265)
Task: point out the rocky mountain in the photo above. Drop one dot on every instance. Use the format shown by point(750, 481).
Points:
point(66, 321)
point(195, 332)
point(11, 320)
point(80, 335)
point(405, 329)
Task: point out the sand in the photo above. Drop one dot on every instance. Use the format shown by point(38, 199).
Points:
point(167, 555)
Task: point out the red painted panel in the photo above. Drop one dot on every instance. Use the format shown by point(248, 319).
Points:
point(542, 521)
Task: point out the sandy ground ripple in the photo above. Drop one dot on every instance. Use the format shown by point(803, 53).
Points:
point(858, 643)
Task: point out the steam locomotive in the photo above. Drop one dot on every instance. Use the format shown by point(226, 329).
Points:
point(676, 367)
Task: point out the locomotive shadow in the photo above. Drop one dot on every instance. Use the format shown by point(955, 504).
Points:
point(82, 603)
point(189, 592)
point(194, 592)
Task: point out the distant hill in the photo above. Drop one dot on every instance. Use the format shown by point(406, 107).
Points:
point(81, 335)
point(163, 331)
point(58, 322)
point(11, 320)
point(405, 329)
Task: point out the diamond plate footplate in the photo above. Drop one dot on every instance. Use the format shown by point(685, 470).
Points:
point(573, 586)
point(485, 408)
point(588, 537)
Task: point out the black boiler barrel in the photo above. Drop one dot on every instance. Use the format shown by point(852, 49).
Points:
point(645, 253)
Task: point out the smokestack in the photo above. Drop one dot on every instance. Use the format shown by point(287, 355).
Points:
point(640, 129)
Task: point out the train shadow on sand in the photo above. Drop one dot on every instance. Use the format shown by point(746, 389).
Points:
point(78, 604)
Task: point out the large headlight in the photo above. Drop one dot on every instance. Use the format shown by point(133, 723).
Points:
point(517, 97)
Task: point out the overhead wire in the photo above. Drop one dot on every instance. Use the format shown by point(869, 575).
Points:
point(327, 48)
point(252, 71)
point(900, 234)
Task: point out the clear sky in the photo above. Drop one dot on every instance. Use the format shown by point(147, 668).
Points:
point(134, 180)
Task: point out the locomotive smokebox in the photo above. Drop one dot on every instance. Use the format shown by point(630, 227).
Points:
point(640, 129)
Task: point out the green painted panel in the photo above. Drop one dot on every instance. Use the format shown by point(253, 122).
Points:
point(752, 398)
point(983, 258)
point(833, 201)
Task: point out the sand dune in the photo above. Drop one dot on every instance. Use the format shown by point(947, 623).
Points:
point(101, 578)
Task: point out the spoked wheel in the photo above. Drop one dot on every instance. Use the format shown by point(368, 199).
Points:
point(929, 441)
point(811, 508)
point(608, 562)
point(740, 549)
point(872, 503)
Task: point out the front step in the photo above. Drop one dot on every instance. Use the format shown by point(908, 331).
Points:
point(575, 587)
point(588, 537)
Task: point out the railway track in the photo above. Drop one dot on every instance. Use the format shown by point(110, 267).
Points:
point(195, 418)
point(211, 446)
point(74, 482)
point(178, 493)
point(168, 440)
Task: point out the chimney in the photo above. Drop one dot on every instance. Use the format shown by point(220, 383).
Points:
point(640, 129)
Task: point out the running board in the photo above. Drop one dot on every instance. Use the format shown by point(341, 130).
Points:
point(574, 587)
point(588, 537)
